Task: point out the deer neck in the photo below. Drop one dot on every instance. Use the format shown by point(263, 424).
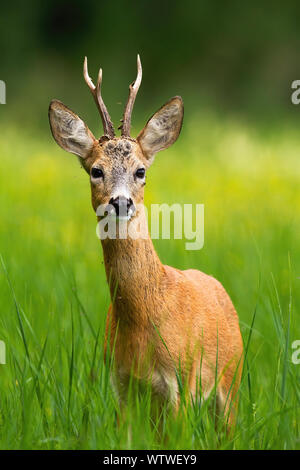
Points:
point(134, 273)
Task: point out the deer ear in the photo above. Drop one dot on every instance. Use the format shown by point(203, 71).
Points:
point(69, 131)
point(162, 129)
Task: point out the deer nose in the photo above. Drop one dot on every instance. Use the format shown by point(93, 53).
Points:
point(122, 205)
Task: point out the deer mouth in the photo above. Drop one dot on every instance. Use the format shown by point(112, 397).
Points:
point(120, 216)
point(126, 217)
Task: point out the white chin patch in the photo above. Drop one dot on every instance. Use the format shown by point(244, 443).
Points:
point(126, 217)
point(123, 218)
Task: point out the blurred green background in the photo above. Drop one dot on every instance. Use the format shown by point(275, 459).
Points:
point(238, 153)
point(234, 57)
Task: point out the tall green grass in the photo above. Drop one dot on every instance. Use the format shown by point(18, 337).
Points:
point(55, 390)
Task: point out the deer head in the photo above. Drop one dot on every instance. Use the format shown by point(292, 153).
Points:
point(116, 165)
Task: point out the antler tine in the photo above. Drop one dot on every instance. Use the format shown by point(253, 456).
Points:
point(133, 90)
point(96, 92)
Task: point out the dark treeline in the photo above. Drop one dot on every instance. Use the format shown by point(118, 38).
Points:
point(241, 56)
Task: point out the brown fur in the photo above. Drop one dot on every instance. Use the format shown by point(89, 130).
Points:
point(191, 311)
point(161, 319)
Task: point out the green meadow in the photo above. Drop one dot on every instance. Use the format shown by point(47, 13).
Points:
point(55, 390)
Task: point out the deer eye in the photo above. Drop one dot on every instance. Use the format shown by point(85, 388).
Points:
point(97, 173)
point(140, 173)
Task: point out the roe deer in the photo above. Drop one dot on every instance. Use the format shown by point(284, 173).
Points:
point(160, 317)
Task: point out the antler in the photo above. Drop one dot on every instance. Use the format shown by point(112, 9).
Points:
point(133, 89)
point(96, 92)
